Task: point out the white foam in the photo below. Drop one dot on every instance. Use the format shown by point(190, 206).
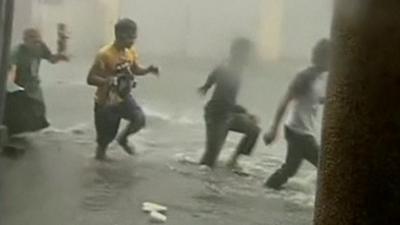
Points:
point(156, 113)
point(185, 118)
point(78, 129)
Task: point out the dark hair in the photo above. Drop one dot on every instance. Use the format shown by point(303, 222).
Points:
point(29, 32)
point(241, 45)
point(125, 25)
point(321, 51)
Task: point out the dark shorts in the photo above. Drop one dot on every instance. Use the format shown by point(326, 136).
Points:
point(217, 127)
point(24, 114)
point(242, 123)
point(108, 118)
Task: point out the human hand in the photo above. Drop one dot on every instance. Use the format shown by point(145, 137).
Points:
point(270, 137)
point(154, 70)
point(63, 57)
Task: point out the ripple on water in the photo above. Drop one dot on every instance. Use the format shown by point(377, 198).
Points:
point(105, 182)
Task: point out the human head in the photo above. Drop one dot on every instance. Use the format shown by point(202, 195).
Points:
point(125, 33)
point(33, 39)
point(241, 49)
point(321, 54)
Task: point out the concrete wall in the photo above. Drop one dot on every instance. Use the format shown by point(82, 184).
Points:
point(192, 28)
point(303, 23)
point(281, 28)
point(90, 21)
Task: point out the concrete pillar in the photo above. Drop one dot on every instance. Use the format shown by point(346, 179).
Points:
point(271, 12)
point(6, 23)
point(359, 178)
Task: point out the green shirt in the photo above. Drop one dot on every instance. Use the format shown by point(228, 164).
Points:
point(27, 65)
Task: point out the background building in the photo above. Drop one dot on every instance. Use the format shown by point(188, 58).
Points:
point(282, 29)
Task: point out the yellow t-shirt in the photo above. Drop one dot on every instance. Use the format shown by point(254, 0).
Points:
point(106, 60)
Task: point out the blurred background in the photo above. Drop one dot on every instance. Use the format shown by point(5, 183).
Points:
point(187, 39)
point(282, 29)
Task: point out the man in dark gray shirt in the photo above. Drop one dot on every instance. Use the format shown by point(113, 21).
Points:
point(222, 114)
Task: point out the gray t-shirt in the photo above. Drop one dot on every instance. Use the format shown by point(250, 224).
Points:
point(227, 82)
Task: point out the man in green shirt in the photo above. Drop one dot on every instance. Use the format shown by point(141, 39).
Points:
point(25, 64)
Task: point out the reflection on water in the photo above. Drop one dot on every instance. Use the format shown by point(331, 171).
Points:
point(70, 186)
point(103, 183)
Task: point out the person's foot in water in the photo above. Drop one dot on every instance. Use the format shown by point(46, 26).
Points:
point(101, 153)
point(274, 183)
point(233, 162)
point(124, 143)
point(274, 187)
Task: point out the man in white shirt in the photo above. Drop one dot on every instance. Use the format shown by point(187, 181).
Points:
point(306, 93)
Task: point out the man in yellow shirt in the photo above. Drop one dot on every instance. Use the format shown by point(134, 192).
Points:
point(110, 106)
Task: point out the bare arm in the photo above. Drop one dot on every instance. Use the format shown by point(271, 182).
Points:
point(212, 78)
point(239, 109)
point(281, 111)
point(297, 88)
point(141, 71)
point(95, 77)
point(270, 137)
point(52, 58)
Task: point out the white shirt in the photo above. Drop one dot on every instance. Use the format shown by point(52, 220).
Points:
point(304, 113)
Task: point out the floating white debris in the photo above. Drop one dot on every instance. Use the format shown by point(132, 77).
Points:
point(156, 217)
point(149, 207)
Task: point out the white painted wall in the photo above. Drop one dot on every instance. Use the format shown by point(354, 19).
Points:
point(281, 28)
point(192, 28)
point(90, 22)
point(304, 23)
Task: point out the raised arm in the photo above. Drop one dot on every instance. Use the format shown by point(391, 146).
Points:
point(52, 58)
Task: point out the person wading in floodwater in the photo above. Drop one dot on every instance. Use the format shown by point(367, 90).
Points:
point(307, 93)
point(25, 106)
point(222, 114)
point(113, 74)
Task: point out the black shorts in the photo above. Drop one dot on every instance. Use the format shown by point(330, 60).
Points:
point(108, 118)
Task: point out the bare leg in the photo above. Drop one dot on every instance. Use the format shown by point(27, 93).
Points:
point(132, 112)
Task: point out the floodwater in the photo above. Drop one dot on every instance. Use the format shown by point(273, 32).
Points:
point(57, 182)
